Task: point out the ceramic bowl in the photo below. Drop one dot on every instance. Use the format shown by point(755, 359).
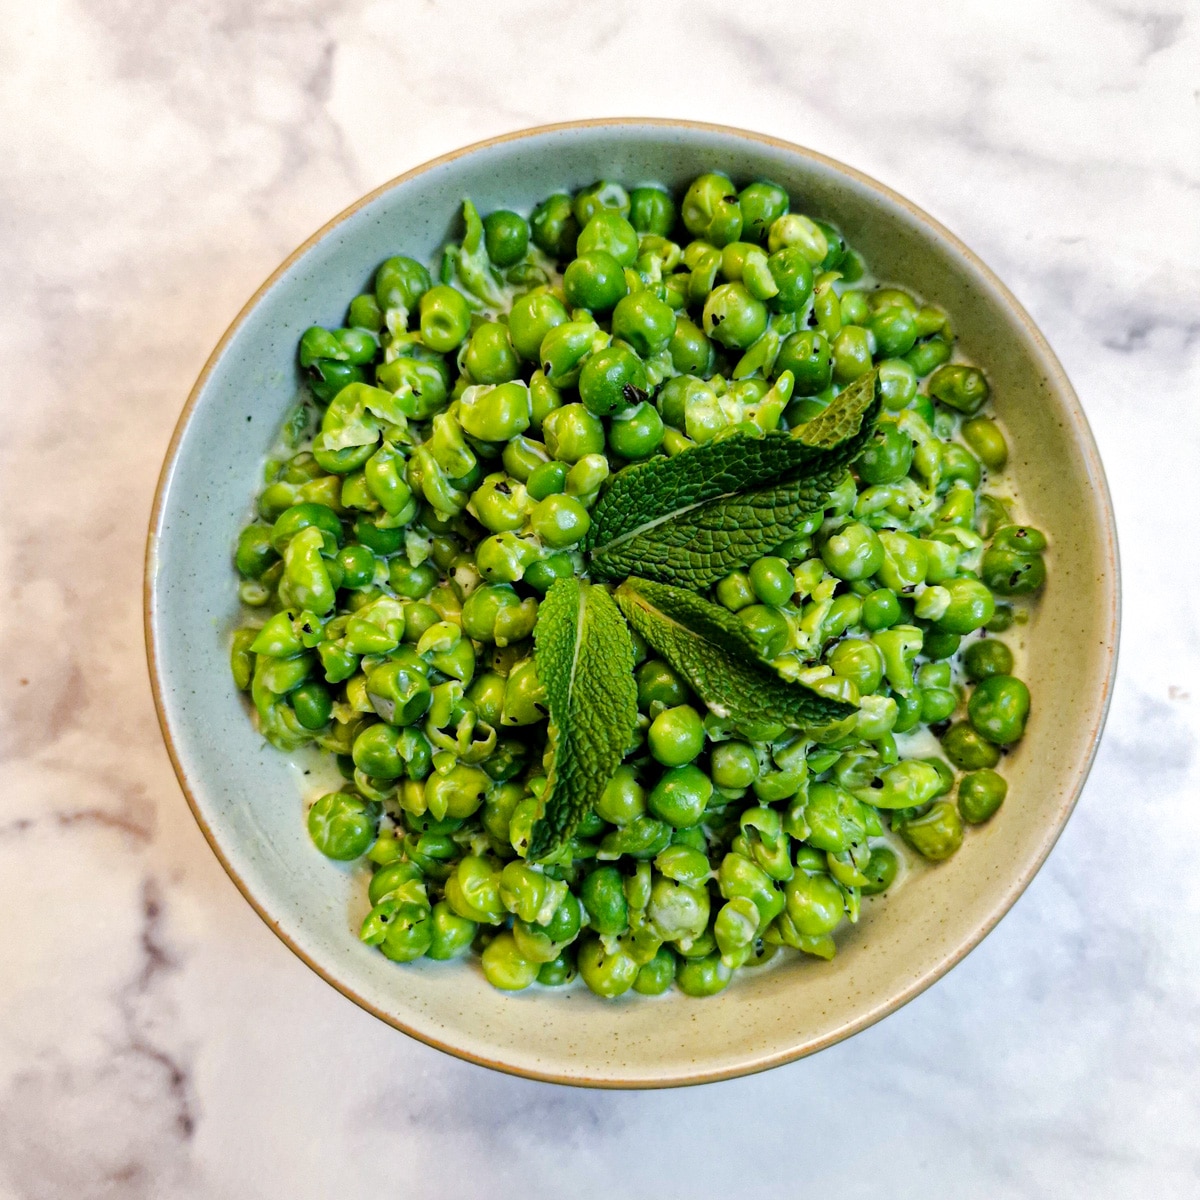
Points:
point(246, 796)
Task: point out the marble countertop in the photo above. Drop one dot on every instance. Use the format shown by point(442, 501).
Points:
point(156, 1040)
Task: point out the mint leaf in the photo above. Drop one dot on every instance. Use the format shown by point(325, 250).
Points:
point(584, 658)
point(716, 507)
point(712, 651)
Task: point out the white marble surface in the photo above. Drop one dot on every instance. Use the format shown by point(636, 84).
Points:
point(158, 161)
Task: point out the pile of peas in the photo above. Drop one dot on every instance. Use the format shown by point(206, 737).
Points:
point(438, 476)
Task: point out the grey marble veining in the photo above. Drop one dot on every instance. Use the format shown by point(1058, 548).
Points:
point(159, 160)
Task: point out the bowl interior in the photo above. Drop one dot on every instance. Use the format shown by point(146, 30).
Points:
point(246, 795)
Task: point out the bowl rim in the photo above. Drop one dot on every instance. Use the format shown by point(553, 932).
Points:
point(1090, 452)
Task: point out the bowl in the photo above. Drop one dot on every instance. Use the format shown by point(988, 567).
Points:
point(246, 795)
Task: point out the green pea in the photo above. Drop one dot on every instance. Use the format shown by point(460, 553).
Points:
point(612, 233)
point(768, 629)
point(558, 971)
point(711, 210)
point(400, 693)
point(794, 229)
point(657, 683)
point(937, 833)
point(342, 825)
point(860, 661)
point(967, 749)
point(256, 551)
point(401, 929)
point(734, 317)
point(397, 879)
point(423, 386)
point(473, 891)
point(678, 911)
point(959, 387)
point(941, 643)
point(793, 276)
point(450, 934)
point(675, 395)
point(506, 236)
point(413, 583)
point(880, 871)
point(645, 322)
point(382, 541)
point(365, 313)
point(736, 592)
point(532, 316)
point(987, 657)
point(854, 552)
point(313, 704)
point(553, 226)
point(636, 433)
point(602, 895)
point(602, 196)
point(459, 793)
point(548, 479)
point(498, 504)
point(595, 281)
point(887, 457)
point(925, 356)
point(445, 319)
point(490, 357)
point(999, 708)
point(1019, 539)
point(642, 838)
point(762, 204)
point(572, 432)
point(356, 346)
point(904, 561)
point(880, 609)
point(676, 736)
point(934, 675)
point(606, 973)
point(504, 967)
point(984, 437)
point(541, 575)
point(623, 798)
point(400, 283)
point(612, 379)
point(680, 796)
point(657, 975)
point(897, 384)
point(1011, 574)
point(851, 354)
point(566, 921)
point(522, 455)
point(691, 350)
point(971, 606)
point(702, 976)
point(814, 904)
point(937, 704)
point(834, 818)
point(560, 521)
point(358, 566)
point(652, 211)
point(306, 516)
point(734, 765)
point(908, 784)
point(980, 794)
point(772, 581)
point(490, 608)
point(895, 331)
point(328, 377)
